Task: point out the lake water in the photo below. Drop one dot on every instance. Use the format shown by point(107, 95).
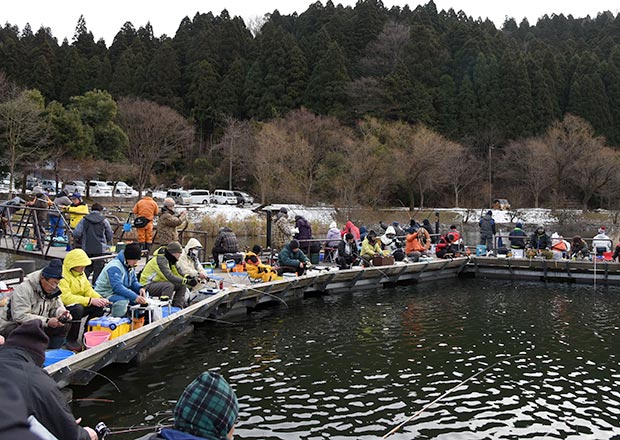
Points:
point(353, 366)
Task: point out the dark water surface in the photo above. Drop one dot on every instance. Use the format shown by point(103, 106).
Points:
point(353, 366)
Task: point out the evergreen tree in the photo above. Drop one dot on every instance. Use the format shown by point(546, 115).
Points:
point(516, 115)
point(327, 88)
point(446, 105)
point(163, 77)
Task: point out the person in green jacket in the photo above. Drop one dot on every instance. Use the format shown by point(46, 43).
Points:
point(78, 295)
point(292, 259)
point(161, 277)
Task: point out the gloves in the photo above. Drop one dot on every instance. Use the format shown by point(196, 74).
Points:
point(190, 281)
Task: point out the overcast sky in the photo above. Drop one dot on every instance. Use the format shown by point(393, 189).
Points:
point(104, 18)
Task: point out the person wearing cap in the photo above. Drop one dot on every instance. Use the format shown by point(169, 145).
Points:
point(540, 243)
point(78, 295)
point(225, 243)
point(22, 357)
point(347, 252)
point(292, 259)
point(282, 230)
point(93, 234)
point(601, 242)
point(189, 263)
point(487, 230)
point(146, 207)
point(76, 210)
point(118, 282)
point(207, 409)
point(168, 223)
point(371, 247)
point(56, 220)
point(161, 276)
point(517, 237)
point(38, 297)
point(257, 270)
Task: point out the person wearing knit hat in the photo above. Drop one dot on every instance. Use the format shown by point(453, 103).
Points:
point(161, 277)
point(78, 294)
point(207, 409)
point(21, 358)
point(282, 231)
point(517, 237)
point(487, 230)
point(38, 297)
point(118, 282)
point(292, 259)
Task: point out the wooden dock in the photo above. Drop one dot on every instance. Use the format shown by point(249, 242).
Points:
point(239, 298)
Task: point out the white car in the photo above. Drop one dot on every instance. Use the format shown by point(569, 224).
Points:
point(50, 185)
point(224, 197)
point(74, 186)
point(200, 196)
point(122, 189)
point(98, 188)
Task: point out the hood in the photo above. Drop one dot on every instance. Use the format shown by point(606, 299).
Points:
point(191, 244)
point(302, 221)
point(173, 434)
point(95, 217)
point(349, 224)
point(76, 257)
point(333, 225)
point(121, 257)
point(390, 230)
point(426, 222)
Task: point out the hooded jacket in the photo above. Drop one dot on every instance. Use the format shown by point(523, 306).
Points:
point(540, 240)
point(75, 287)
point(76, 213)
point(517, 238)
point(349, 227)
point(93, 233)
point(117, 278)
point(41, 394)
point(369, 249)
point(419, 241)
point(487, 226)
point(161, 268)
point(390, 244)
point(257, 270)
point(188, 264)
point(28, 302)
point(333, 235)
point(304, 228)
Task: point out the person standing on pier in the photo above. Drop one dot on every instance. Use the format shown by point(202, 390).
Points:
point(168, 223)
point(93, 234)
point(487, 230)
point(56, 219)
point(282, 230)
point(146, 207)
point(76, 210)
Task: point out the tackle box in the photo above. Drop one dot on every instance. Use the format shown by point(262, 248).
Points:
point(115, 326)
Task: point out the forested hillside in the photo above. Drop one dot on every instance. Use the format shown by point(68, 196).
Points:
point(366, 69)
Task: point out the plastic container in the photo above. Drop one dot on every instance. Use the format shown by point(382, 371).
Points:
point(321, 256)
point(53, 356)
point(114, 326)
point(481, 250)
point(94, 338)
point(518, 253)
point(167, 311)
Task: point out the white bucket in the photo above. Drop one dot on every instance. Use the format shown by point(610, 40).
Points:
point(518, 253)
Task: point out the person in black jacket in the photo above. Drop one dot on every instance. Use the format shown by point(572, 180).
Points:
point(347, 252)
point(540, 243)
point(93, 234)
point(22, 357)
point(517, 237)
point(13, 414)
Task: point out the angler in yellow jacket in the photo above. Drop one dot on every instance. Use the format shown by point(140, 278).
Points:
point(256, 269)
point(77, 210)
point(78, 295)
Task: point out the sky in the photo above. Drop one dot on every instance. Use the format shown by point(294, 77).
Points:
point(105, 18)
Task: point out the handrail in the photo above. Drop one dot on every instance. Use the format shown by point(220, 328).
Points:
point(13, 270)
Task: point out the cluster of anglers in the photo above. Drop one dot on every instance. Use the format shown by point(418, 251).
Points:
point(540, 244)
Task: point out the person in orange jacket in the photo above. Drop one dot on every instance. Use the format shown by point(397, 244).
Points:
point(146, 207)
point(417, 244)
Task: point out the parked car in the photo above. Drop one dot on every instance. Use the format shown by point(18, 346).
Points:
point(49, 185)
point(200, 196)
point(98, 188)
point(73, 186)
point(122, 189)
point(502, 204)
point(243, 198)
point(180, 196)
point(224, 197)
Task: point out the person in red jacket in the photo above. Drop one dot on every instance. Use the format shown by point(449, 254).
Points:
point(352, 229)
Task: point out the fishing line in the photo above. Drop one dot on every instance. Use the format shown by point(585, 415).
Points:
point(99, 374)
point(144, 428)
point(246, 287)
point(446, 393)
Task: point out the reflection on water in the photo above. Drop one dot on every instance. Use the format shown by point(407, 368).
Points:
point(353, 366)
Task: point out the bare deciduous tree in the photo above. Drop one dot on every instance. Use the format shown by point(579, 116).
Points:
point(156, 135)
point(527, 165)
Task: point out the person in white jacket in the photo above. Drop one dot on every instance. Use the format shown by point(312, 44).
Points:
point(189, 263)
point(601, 242)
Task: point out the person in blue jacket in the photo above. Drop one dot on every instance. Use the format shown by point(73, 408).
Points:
point(118, 282)
point(292, 259)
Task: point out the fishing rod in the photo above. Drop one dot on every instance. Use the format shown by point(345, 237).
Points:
point(245, 286)
point(393, 431)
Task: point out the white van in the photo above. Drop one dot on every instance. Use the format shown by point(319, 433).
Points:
point(202, 196)
point(180, 196)
point(98, 188)
point(224, 197)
